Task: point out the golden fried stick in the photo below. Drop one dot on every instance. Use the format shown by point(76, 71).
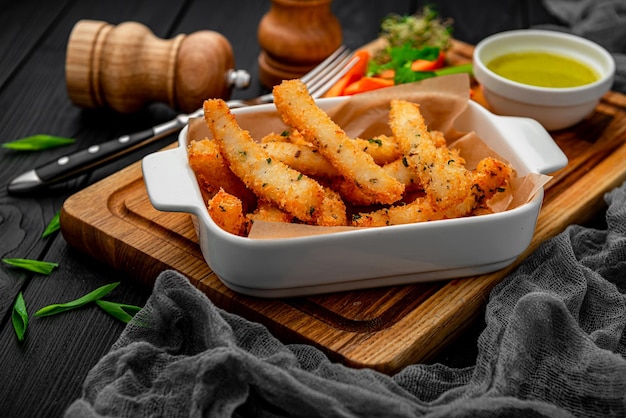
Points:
point(266, 211)
point(288, 135)
point(333, 211)
point(491, 176)
point(383, 149)
point(452, 191)
point(269, 178)
point(399, 169)
point(298, 109)
point(445, 179)
point(303, 158)
point(213, 173)
point(419, 210)
point(227, 212)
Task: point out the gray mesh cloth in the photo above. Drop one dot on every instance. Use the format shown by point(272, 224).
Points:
point(553, 346)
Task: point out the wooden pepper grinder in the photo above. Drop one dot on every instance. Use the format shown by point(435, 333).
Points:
point(125, 67)
point(295, 36)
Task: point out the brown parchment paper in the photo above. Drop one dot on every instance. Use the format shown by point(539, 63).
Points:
point(441, 99)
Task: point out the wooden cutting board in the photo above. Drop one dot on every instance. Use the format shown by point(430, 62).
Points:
point(385, 328)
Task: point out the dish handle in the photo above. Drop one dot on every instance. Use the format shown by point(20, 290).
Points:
point(169, 182)
point(533, 144)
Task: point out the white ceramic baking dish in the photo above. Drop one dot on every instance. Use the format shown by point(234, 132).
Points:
point(368, 257)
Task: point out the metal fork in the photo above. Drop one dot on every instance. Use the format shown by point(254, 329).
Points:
point(318, 81)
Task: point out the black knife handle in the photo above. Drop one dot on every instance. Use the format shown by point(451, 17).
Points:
point(91, 157)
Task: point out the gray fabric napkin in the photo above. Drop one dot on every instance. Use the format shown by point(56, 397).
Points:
point(602, 21)
point(553, 346)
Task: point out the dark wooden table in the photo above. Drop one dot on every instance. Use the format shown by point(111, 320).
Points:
point(43, 374)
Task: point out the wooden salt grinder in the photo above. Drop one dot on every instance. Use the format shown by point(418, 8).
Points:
point(125, 67)
point(295, 36)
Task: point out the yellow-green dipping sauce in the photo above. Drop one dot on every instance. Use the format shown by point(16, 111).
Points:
point(543, 69)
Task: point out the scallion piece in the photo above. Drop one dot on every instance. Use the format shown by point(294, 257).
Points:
point(38, 142)
point(53, 226)
point(43, 267)
point(121, 311)
point(19, 317)
point(77, 303)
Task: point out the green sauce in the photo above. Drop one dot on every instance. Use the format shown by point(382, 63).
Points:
point(543, 69)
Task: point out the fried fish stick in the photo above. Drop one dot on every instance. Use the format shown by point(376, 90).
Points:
point(452, 191)
point(438, 138)
point(333, 210)
point(266, 211)
point(382, 148)
point(213, 173)
point(298, 109)
point(303, 158)
point(269, 178)
point(400, 170)
point(445, 179)
point(288, 135)
point(419, 210)
point(491, 176)
point(227, 212)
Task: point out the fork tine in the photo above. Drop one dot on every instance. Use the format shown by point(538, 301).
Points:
point(321, 86)
point(318, 80)
point(329, 71)
point(323, 65)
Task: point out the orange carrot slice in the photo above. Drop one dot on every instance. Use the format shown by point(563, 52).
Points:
point(356, 72)
point(425, 65)
point(367, 84)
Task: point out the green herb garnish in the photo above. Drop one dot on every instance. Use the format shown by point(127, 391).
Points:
point(424, 28)
point(38, 142)
point(120, 311)
point(53, 226)
point(376, 141)
point(77, 303)
point(19, 317)
point(43, 267)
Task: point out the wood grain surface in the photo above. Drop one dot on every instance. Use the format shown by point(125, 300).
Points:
point(384, 328)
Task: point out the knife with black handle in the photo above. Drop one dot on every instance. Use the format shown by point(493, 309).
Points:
point(71, 165)
point(79, 162)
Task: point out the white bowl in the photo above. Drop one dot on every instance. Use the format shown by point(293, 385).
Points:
point(368, 257)
point(554, 108)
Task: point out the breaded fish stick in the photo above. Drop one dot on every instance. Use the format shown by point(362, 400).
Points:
point(227, 212)
point(452, 191)
point(445, 179)
point(269, 178)
point(303, 158)
point(299, 110)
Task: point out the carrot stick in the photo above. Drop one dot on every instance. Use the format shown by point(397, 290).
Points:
point(356, 72)
point(367, 84)
point(425, 65)
point(389, 73)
